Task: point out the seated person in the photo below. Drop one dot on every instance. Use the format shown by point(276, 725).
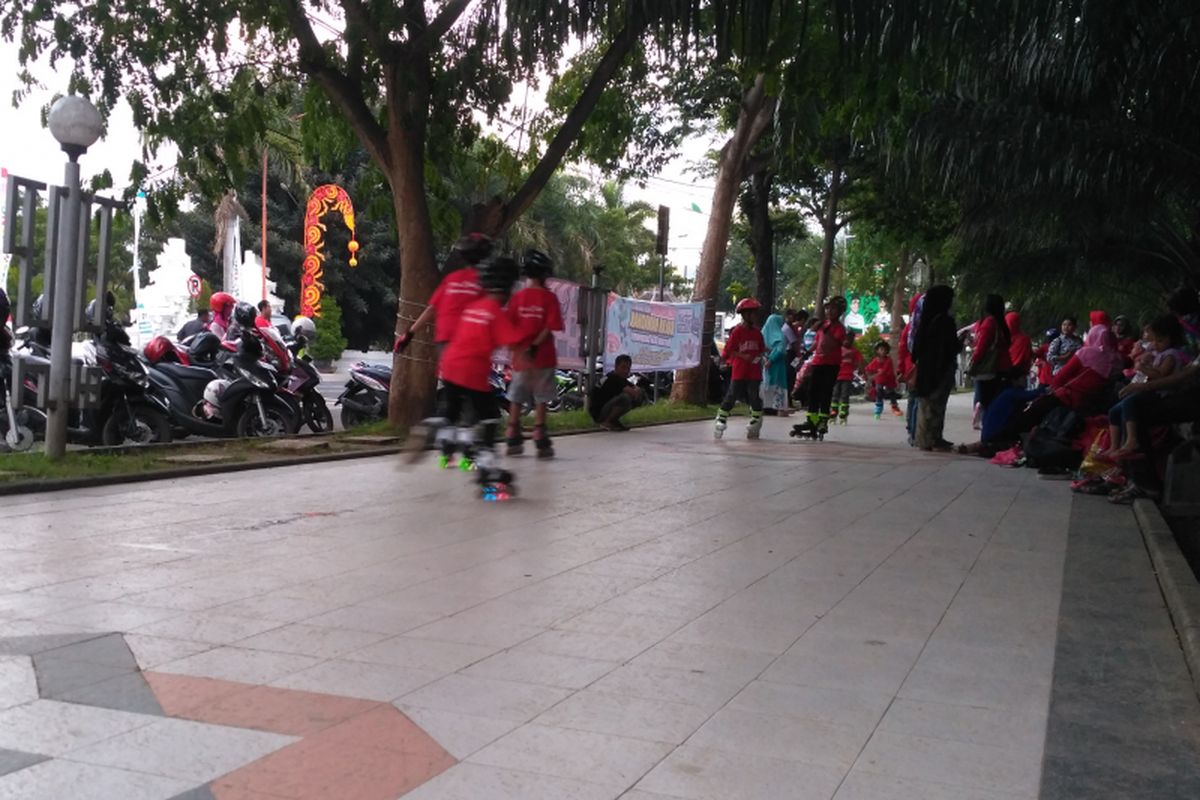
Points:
point(1163, 359)
point(615, 397)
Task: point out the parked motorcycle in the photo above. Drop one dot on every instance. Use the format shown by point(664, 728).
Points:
point(19, 425)
point(365, 396)
point(234, 397)
point(299, 390)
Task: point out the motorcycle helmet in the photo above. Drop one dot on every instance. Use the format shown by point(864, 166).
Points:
point(498, 274)
point(537, 265)
point(214, 390)
point(204, 347)
point(747, 304)
point(110, 303)
point(161, 349)
point(473, 248)
point(303, 326)
point(221, 303)
point(244, 314)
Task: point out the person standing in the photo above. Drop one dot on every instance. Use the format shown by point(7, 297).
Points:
point(536, 312)
point(775, 372)
point(907, 368)
point(458, 289)
point(881, 374)
point(935, 356)
point(851, 362)
point(1063, 346)
point(744, 351)
point(826, 361)
point(195, 326)
point(991, 364)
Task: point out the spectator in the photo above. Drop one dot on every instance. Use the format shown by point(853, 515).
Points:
point(775, 372)
point(990, 362)
point(1164, 359)
point(1126, 341)
point(1020, 349)
point(905, 366)
point(935, 354)
point(195, 326)
point(1041, 358)
point(615, 397)
point(263, 320)
point(1063, 346)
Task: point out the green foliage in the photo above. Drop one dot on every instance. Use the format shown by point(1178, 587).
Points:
point(866, 343)
point(328, 343)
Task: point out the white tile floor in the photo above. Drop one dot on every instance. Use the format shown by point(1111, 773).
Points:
point(658, 616)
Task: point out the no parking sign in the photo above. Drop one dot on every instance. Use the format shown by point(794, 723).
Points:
point(193, 284)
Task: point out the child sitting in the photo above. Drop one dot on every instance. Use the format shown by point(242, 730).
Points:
point(1162, 357)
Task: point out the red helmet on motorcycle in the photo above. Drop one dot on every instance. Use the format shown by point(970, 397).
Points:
point(160, 349)
point(221, 304)
point(747, 304)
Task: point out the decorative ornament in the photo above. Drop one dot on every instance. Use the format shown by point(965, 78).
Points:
point(321, 201)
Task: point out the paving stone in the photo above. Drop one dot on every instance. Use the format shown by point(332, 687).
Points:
point(128, 692)
point(199, 793)
point(59, 676)
point(13, 760)
point(109, 650)
point(31, 645)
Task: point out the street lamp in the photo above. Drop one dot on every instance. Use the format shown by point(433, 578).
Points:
point(76, 124)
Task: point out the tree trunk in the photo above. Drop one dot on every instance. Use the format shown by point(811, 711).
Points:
point(899, 302)
point(755, 114)
point(830, 227)
point(414, 372)
point(762, 238)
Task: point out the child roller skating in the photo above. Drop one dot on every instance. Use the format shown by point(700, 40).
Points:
point(881, 374)
point(465, 368)
point(535, 312)
point(826, 361)
point(744, 350)
point(851, 361)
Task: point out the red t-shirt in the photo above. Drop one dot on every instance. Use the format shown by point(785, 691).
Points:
point(747, 343)
point(827, 349)
point(482, 327)
point(452, 295)
point(533, 310)
point(851, 360)
point(882, 372)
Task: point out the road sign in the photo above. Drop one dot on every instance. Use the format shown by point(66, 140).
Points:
point(193, 284)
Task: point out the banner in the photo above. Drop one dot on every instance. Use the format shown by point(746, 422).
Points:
point(657, 336)
point(566, 341)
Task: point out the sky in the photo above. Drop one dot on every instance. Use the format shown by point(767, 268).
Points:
point(27, 149)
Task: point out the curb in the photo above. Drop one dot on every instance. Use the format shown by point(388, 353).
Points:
point(90, 482)
point(1177, 581)
point(93, 481)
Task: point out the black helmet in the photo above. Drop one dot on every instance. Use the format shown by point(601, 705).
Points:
point(537, 265)
point(204, 347)
point(245, 314)
point(109, 308)
point(474, 247)
point(498, 274)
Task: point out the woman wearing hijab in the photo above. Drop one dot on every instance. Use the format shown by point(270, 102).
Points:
point(990, 364)
point(935, 354)
point(775, 374)
point(1020, 349)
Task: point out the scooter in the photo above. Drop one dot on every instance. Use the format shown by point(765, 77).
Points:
point(18, 424)
point(365, 396)
point(300, 392)
point(236, 398)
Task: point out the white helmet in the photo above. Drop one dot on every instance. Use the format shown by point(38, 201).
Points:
point(303, 326)
point(214, 390)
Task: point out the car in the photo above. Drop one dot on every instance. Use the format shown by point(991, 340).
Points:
point(283, 325)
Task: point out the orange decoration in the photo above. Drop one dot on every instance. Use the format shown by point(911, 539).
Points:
point(321, 201)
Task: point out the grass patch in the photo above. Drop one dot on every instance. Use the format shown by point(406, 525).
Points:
point(83, 464)
point(655, 414)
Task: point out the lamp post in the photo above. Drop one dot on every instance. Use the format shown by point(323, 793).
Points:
point(76, 124)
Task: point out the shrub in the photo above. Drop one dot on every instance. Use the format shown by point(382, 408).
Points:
point(329, 342)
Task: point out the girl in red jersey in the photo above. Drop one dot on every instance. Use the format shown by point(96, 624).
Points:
point(744, 351)
point(881, 374)
point(826, 362)
point(851, 362)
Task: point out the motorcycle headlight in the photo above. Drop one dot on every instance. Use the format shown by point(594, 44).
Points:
point(255, 380)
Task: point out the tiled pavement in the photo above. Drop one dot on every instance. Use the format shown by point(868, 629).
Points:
point(657, 616)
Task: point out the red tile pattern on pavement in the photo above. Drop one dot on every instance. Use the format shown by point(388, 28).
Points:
point(351, 747)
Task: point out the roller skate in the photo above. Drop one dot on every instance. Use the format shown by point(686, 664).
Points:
point(754, 428)
point(719, 427)
point(516, 445)
point(496, 485)
point(423, 436)
point(804, 430)
point(878, 415)
point(545, 448)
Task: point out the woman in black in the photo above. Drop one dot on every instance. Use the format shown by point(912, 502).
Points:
point(935, 354)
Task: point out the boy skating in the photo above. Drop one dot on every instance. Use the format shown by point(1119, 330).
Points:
point(535, 312)
point(851, 361)
point(466, 365)
point(881, 374)
point(826, 361)
point(744, 351)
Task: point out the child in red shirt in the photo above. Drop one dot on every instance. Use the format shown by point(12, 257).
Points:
point(826, 362)
point(535, 311)
point(851, 362)
point(466, 367)
point(744, 351)
point(458, 289)
point(881, 374)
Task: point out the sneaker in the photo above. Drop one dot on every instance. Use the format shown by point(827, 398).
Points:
point(896, 412)
point(878, 415)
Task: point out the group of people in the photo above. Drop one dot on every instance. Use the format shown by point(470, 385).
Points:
point(475, 312)
point(1110, 394)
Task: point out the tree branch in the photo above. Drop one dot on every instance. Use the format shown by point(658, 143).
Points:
point(359, 20)
point(443, 22)
point(345, 93)
point(568, 132)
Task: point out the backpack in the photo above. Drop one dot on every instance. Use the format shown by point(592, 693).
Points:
point(1052, 443)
